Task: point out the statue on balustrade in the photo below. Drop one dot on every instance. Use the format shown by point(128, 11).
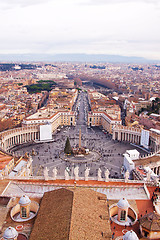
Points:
point(54, 173)
point(99, 174)
point(46, 173)
point(76, 173)
point(107, 175)
point(86, 174)
point(126, 176)
point(66, 173)
point(6, 171)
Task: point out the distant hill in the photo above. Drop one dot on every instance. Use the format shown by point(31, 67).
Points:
point(73, 58)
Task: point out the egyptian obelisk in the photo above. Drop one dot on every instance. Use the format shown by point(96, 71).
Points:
point(79, 138)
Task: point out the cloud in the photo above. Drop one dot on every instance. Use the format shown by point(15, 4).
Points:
point(9, 4)
point(91, 26)
point(103, 2)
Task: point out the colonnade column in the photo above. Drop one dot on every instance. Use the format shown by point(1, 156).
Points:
point(19, 137)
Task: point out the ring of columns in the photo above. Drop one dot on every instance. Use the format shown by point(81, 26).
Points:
point(21, 135)
point(17, 136)
point(133, 135)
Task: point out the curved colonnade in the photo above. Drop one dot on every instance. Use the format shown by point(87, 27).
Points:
point(127, 134)
point(133, 135)
point(16, 136)
point(13, 137)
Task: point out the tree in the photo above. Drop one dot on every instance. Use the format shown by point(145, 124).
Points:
point(157, 99)
point(68, 148)
point(153, 105)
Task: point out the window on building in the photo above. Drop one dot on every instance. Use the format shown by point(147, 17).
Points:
point(24, 213)
point(123, 215)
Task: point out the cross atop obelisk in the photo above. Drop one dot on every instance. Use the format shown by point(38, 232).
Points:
point(79, 137)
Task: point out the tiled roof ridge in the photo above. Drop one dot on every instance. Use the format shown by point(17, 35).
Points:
point(156, 221)
point(77, 192)
point(155, 218)
point(152, 218)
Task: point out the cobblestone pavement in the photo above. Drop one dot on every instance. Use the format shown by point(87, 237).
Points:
point(93, 138)
point(48, 153)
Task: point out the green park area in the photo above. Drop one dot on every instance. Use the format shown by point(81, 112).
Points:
point(42, 85)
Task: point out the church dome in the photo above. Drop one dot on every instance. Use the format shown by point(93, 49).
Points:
point(130, 235)
point(24, 200)
point(10, 233)
point(123, 203)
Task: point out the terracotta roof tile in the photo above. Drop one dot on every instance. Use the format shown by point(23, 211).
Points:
point(71, 214)
point(54, 216)
point(151, 221)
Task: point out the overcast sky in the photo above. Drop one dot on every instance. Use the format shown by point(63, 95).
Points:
point(123, 27)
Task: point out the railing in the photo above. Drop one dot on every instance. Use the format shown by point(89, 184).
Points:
point(73, 178)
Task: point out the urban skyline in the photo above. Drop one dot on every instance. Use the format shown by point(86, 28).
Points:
point(110, 114)
point(79, 120)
